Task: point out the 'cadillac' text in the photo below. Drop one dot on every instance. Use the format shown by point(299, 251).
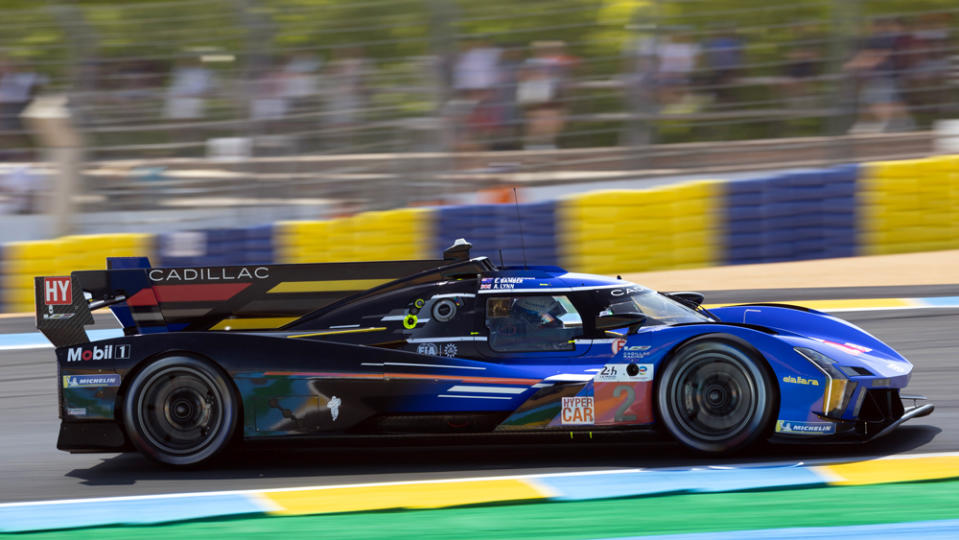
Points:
point(209, 274)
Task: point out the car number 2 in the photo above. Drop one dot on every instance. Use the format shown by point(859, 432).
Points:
point(621, 415)
point(623, 402)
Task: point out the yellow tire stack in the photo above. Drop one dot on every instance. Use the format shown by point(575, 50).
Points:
point(910, 205)
point(615, 231)
point(302, 241)
point(370, 236)
point(22, 261)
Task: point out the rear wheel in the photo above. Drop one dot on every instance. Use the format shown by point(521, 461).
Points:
point(715, 397)
point(180, 411)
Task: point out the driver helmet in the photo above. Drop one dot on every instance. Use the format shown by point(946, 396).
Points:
point(536, 308)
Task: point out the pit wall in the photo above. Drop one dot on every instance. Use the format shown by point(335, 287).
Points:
point(873, 208)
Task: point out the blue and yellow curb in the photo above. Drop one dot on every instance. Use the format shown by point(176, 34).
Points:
point(148, 509)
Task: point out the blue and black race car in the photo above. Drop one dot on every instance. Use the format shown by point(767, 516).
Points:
point(212, 356)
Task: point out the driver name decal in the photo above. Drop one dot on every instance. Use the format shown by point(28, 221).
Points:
point(503, 283)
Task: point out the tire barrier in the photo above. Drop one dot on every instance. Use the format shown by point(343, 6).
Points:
point(617, 231)
point(873, 208)
point(524, 235)
point(24, 260)
point(370, 236)
point(910, 205)
point(791, 216)
point(216, 247)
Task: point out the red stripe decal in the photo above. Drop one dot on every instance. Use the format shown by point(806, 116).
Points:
point(144, 297)
point(200, 292)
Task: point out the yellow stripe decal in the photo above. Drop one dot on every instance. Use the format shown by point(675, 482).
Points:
point(826, 305)
point(346, 331)
point(422, 495)
point(252, 323)
point(332, 285)
point(884, 471)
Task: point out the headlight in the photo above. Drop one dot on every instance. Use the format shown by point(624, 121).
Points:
point(839, 389)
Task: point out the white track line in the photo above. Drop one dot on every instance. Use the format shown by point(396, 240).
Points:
point(814, 462)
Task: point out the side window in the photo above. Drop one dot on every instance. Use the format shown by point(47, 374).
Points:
point(532, 323)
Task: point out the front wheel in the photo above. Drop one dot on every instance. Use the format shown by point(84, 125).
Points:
point(715, 397)
point(180, 411)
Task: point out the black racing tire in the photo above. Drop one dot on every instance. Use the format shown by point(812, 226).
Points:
point(180, 411)
point(716, 397)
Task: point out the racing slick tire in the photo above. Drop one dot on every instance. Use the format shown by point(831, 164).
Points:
point(714, 396)
point(180, 411)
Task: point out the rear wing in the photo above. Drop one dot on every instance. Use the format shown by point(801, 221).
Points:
point(170, 299)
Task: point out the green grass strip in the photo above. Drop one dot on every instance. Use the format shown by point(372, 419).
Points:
point(817, 507)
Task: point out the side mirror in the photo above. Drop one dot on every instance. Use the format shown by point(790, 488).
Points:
point(688, 299)
point(620, 320)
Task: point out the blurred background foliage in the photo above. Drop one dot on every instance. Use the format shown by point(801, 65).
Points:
point(74, 43)
point(403, 27)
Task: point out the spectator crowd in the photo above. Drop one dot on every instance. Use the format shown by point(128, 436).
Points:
point(507, 95)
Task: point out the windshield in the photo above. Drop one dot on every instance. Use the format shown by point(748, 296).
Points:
point(657, 308)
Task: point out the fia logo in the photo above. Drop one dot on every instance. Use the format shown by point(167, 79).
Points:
point(428, 348)
point(57, 291)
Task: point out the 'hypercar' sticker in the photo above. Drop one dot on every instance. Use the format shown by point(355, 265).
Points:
point(577, 411)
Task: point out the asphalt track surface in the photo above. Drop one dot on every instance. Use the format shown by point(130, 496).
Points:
point(31, 468)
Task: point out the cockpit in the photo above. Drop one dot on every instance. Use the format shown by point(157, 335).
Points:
point(658, 309)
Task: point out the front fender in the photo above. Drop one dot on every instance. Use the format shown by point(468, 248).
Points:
point(799, 398)
point(804, 322)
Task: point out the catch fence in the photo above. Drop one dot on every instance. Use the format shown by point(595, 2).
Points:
point(374, 104)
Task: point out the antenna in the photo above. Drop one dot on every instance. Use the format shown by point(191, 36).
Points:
point(501, 263)
point(519, 221)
